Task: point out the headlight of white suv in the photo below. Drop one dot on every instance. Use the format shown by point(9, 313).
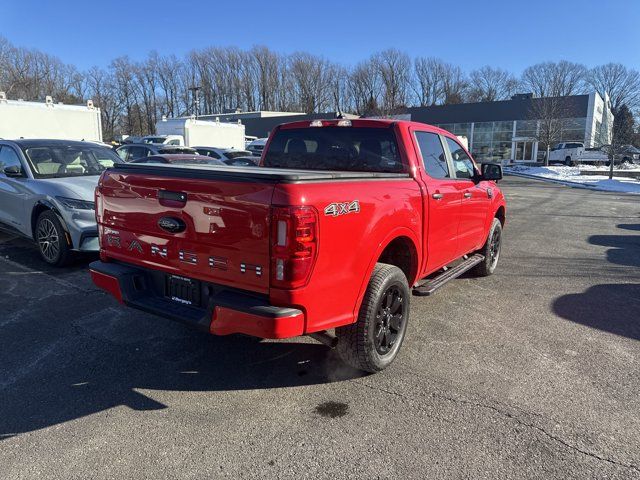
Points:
point(75, 204)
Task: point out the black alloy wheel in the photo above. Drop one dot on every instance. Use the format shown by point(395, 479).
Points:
point(389, 318)
point(494, 247)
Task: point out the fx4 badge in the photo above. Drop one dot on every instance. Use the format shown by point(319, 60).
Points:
point(342, 208)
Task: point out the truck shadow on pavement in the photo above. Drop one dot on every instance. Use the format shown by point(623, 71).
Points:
point(629, 226)
point(86, 374)
point(625, 249)
point(68, 350)
point(613, 308)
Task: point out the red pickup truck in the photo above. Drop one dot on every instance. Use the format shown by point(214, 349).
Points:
point(335, 230)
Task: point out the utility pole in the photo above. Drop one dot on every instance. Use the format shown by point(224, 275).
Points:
point(195, 92)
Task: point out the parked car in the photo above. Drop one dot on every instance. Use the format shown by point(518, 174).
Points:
point(47, 193)
point(629, 153)
point(257, 146)
point(163, 139)
point(132, 151)
point(624, 153)
point(330, 233)
point(180, 159)
point(222, 153)
point(248, 139)
point(185, 159)
point(572, 153)
point(248, 161)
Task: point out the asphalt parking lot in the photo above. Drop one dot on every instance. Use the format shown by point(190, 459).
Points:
point(533, 372)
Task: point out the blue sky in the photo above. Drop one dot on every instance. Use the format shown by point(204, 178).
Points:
point(509, 34)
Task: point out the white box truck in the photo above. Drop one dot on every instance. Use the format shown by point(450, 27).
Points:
point(20, 119)
point(203, 133)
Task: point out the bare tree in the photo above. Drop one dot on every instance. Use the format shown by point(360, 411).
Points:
point(169, 70)
point(436, 82)
point(122, 70)
point(428, 81)
point(393, 69)
point(555, 79)
point(365, 87)
point(146, 77)
point(622, 84)
point(104, 91)
point(489, 84)
point(339, 89)
point(454, 84)
point(311, 78)
point(550, 114)
point(267, 69)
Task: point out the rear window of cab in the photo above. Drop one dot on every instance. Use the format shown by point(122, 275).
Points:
point(335, 148)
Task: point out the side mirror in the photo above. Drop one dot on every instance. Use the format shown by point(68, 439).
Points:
point(13, 171)
point(491, 171)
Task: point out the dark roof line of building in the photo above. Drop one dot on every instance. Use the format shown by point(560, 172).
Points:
point(520, 107)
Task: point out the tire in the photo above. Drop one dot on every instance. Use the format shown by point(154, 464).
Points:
point(372, 343)
point(568, 162)
point(51, 240)
point(490, 250)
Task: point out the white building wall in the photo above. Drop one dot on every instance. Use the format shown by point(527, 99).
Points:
point(598, 113)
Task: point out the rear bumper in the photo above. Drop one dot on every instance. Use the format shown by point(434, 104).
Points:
point(224, 311)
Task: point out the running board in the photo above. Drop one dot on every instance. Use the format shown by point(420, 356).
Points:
point(430, 286)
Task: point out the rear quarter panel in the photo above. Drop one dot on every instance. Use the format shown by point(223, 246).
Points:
point(350, 243)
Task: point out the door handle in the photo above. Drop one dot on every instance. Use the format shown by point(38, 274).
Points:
point(437, 196)
point(467, 194)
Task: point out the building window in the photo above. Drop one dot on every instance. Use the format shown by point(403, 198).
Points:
point(492, 141)
point(526, 128)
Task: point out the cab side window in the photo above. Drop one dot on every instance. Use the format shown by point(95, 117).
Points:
point(8, 158)
point(433, 157)
point(462, 164)
point(122, 153)
point(138, 152)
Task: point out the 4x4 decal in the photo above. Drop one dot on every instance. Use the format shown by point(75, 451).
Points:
point(342, 208)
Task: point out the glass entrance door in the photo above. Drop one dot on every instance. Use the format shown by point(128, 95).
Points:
point(523, 150)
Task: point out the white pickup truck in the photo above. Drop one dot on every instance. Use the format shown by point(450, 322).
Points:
point(572, 153)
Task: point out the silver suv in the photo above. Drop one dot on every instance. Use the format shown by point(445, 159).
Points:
point(46, 193)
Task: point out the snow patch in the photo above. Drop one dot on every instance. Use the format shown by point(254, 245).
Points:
point(571, 176)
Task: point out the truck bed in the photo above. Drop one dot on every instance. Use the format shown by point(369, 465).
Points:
point(250, 174)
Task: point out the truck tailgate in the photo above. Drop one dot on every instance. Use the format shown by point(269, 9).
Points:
point(216, 230)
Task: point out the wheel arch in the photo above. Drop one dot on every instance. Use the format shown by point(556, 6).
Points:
point(42, 206)
point(501, 214)
point(391, 249)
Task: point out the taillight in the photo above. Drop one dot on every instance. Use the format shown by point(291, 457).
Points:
point(294, 245)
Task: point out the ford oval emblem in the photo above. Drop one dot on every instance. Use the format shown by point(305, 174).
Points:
point(172, 225)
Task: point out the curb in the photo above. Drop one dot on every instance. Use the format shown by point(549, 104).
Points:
point(553, 180)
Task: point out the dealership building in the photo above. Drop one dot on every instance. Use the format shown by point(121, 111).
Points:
point(509, 130)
